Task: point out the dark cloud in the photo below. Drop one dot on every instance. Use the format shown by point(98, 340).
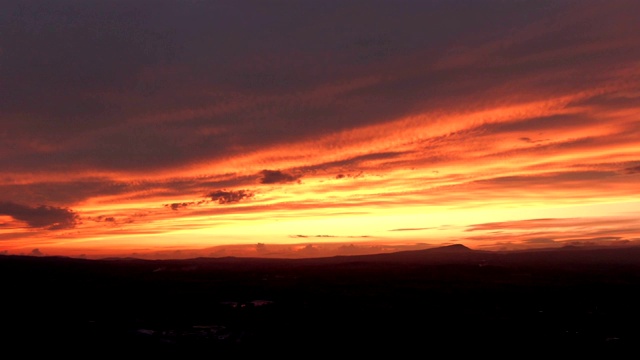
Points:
point(73, 46)
point(102, 218)
point(113, 220)
point(531, 141)
point(277, 177)
point(43, 216)
point(176, 206)
point(230, 196)
point(632, 170)
point(36, 252)
point(309, 250)
point(261, 248)
point(104, 69)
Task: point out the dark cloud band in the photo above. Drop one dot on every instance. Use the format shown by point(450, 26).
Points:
point(43, 216)
point(277, 177)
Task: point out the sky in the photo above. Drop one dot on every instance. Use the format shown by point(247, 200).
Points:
point(172, 129)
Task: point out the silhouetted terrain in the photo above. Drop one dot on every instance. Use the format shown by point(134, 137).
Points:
point(450, 299)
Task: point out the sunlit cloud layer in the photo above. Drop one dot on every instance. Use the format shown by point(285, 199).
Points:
point(175, 129)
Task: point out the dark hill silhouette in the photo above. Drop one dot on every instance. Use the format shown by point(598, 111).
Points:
point(449, 298)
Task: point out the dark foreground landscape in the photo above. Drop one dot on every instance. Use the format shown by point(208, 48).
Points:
point(418, 303)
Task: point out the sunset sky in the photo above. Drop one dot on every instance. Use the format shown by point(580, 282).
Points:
point(168, 129)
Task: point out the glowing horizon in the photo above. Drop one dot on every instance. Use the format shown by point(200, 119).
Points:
point(128, 132)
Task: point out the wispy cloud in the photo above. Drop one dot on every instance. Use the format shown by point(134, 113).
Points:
point(533, 224)
point(412, 229)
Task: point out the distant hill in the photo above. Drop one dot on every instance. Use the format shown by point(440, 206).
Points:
point(453, 254)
